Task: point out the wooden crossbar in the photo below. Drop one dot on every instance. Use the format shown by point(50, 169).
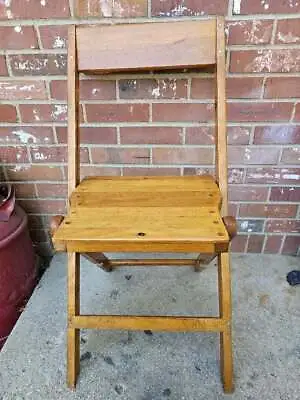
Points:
point(151, 262)
point(153, 323)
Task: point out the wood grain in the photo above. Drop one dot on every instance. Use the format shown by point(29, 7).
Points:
point(130, 47)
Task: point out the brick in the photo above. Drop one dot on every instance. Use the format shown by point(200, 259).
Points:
point(297, 113)
point(268, 210)
point(290, 194)
point(58, 190)
point(38, 64)
point(31, 172)
point(54, 36)
point(11, 155)
point(99, 135)
point(26, 135)
point(94, 170)
point(267, 7)
point(151, 171)
point(238, 244)
point(116, 8)
point(283, 226)
point(3, 67)
point(249, 32)
point(238, 134)
point(55, 154)
point(200, 135)
point(283, 87)
point(18, 37)
point(236, 175)
point(203, 88)
point(266, 60)
point(8, 113)
point(182, 155)
point(97, 90)
point(244, 88)
point(117, 112)
point(59, 90)
point(277, 134)
point(153, 88)
point(288, 31)
point(198, 171)
point(182, 112)
point(278, 176)
point(41, 206)
point(24, 190)
point(43, 112)
point(22, 90)
point(259, 112)
point(232, 209)
point(291, 245)
point(255, 243)
point(115, 155)
point(151, 135)
point(250, 225)
point(178, 8)
point(291, 155)
point(248, 193)
point(273, 244)
point(32, 9)
point(252, 155)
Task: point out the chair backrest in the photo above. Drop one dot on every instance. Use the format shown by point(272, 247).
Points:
point(141, 47)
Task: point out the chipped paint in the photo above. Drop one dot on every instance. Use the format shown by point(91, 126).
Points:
point(269, 61)
point(19, 168)
point(18, 29)
point(39, 156)
point(36, 115)
point(289, 38)
point(105, 7)
point(295, 177)
point(59, 43)
point(33, 65)
point(43, 3)
point(236, 7)
point(24, 137)
point(59, 111)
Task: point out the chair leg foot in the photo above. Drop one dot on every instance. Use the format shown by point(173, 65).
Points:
point(226, 360)
point(73, 357)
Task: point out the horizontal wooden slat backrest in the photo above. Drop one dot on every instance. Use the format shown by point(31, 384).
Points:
point(147, 46)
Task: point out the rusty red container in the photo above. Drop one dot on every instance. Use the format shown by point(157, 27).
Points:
point(17, 264)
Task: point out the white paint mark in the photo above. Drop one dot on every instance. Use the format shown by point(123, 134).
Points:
point(43, 3)
point(236, 6)
point(18, 29)
point(24, 137)
point(289, 38)
point(39, 156)
point(291, 176)
point(59, 110)
point(36, 115)
point(59, 43)
point(291, 189)
point(266, 6)
point(106, 8)
point(7, 3)
point(156, 92)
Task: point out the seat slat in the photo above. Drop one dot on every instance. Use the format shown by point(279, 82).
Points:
point(134, 47)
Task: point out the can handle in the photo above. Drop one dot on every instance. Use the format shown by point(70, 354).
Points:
point(7, 201)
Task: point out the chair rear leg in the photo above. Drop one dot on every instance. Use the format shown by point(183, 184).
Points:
point(73, 339)
point(226, 358)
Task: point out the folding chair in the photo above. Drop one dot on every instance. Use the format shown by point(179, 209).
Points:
point(147, 213)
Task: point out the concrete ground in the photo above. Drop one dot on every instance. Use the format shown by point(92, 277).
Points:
point(173, 366)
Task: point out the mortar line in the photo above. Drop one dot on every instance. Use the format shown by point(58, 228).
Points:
point(263, 87)
point(274, 30)
point(38, 35)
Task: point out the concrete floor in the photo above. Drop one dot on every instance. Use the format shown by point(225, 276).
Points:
point(174, 366)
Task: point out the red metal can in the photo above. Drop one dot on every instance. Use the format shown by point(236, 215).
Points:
point(17, 261)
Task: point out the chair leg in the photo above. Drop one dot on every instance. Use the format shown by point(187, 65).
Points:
point(226, 358)
point(73, 347)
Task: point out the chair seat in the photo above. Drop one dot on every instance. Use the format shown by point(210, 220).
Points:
point(144, 214)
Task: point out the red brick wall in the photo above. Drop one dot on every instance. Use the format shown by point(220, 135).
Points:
point(156, 111)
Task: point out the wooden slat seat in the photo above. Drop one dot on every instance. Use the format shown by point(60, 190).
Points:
point(139, 213)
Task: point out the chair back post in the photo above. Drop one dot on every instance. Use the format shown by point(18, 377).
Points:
point(221, 163)
point(73, 113)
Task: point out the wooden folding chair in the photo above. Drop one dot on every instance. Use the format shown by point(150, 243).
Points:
point(147, 214)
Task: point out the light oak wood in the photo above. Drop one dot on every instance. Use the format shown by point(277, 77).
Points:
point(73, 338)
point(146, 46)
point(226, 358)
point(221, 136)
point(73, 114)
point(153, 323)
point(151, 262)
